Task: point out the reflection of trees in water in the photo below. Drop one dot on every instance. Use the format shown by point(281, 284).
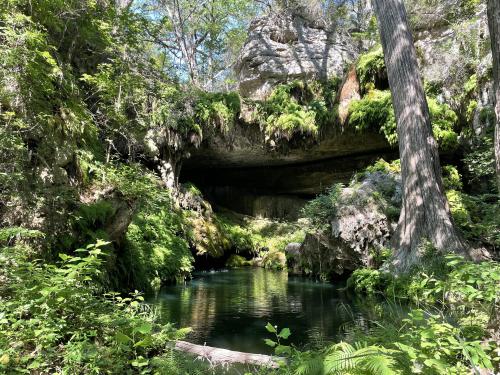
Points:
point(201, 311)
point(269, 292)
point(232, 309)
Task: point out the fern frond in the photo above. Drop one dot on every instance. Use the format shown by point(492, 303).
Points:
point(344, 358)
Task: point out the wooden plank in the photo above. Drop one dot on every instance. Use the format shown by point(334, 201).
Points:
point(218, 356)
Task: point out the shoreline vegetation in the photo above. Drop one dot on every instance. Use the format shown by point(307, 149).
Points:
point(286, 109)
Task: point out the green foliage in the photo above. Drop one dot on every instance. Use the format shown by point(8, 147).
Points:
point(365, 280)
point(480, 162)
point(432, 340)
point(374, 111)
point(218, 110)
point(259, 235)
point(443, 120)
point(451, 178)
point(370, 65)
point(324, 207)
point(452, 281)
point(276, 344)
point(155, 253)
point(298, 109)
point(477, 216)
point(274, 259)
point(237, 261)
point(383, 166)
point(57, 312)
point(11, 234)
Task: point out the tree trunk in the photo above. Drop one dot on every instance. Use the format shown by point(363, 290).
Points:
point(425, 215)
point(494, 25)
point(217, 356)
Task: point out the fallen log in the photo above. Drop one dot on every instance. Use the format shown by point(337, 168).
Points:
point(218, 356)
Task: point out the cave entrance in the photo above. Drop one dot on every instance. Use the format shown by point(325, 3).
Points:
point(274, 192)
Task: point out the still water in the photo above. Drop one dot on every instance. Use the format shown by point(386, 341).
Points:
point(229, 309)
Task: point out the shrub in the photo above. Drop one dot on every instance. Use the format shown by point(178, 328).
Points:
point(322, 209)
point(237, 261)
point(451, 178)
point(54, 318)
point(297, 108)
point(374, 111)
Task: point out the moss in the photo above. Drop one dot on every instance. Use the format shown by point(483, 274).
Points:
point(237, 261)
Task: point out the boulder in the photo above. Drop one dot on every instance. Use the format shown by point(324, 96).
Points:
point(359, 231)
point(286, 46)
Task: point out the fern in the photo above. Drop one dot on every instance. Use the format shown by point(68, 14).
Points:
point(344, 358)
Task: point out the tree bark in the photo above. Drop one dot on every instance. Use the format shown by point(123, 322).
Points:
point(494, 25)
point(217, 356)
point(425, 214)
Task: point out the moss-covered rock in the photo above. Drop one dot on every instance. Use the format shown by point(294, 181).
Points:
point(351, 227)
point(237, 261)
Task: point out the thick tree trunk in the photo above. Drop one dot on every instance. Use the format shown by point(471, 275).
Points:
point(494, 24)
point(425, 214)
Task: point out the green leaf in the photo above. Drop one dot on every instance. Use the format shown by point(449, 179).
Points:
point(140, 362)
point(285, 333)
point(144, 328)
point(283, 349)
point(121, 338)
point(270, 328)
point(270, 343)
point(143, 343)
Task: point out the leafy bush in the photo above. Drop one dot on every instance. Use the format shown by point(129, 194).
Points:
point(365, 280)
point(274, 260)
point(323, 208)
point(451, 178)
point(443, 335)
point(155, 253)
point(237, 261)
point(55, 319)
point(477, 216)
point(480, 162)
point(374, 111)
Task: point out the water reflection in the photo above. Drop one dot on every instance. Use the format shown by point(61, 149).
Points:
point(230, 309)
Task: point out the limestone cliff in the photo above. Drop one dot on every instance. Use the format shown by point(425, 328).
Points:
point(286, 46)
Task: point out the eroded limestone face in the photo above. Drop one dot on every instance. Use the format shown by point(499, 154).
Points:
point(283, 47)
